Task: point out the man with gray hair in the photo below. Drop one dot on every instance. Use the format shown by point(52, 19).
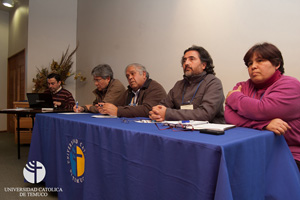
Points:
point(142, 94)
point(109, 90)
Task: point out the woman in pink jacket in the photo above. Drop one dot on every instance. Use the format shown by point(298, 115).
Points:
point(268, 100)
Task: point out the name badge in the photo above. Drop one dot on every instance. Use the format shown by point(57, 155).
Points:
point(187, 107)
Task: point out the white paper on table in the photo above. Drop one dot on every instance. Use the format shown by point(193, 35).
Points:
point(71, 113)
point(104, 116)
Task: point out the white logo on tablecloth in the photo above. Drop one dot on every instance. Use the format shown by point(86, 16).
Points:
point(34, 172)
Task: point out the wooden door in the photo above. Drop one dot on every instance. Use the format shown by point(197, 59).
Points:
point(15, 84)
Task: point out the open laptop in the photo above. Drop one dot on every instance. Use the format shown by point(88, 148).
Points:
point(40, 100)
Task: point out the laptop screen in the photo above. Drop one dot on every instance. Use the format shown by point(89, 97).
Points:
point(40, 100)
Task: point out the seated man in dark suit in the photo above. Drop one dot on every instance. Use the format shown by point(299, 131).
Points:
point(142, 94)
point(108, 89)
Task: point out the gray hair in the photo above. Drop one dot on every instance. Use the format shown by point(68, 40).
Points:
point(140, 68)
point(103, 71)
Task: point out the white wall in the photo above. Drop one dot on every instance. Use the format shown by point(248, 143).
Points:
point(18, 29)
point(51, 29)
point(13, 33)
point(4, 27)
point(155, 33)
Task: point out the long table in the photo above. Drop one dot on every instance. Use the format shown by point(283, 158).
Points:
point(115, 159)
point(24, 112)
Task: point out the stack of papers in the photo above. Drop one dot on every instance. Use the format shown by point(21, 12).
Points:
point(211, 126)
point(202, 126)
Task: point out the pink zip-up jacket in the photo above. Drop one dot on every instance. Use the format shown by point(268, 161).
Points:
point(254, 108)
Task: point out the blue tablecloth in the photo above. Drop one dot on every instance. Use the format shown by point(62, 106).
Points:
point(115, 159)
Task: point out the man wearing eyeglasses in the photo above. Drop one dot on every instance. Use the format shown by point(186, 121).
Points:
point(141, 95)
point(109, 90)
point(199, 96)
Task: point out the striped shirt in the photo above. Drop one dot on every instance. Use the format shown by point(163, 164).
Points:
point(63, 96)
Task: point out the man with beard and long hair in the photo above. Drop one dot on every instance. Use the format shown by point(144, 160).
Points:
point(198, 96)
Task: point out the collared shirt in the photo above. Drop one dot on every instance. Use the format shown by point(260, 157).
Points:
point(134, 99)
point(59, 89)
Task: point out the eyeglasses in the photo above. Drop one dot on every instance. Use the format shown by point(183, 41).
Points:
point(126, 121)
point(98, 80)
point(175, 127)
point(163, 126)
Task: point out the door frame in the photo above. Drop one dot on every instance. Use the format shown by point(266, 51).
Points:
point(15, 83)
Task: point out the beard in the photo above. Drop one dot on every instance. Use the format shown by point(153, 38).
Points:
point(188, 71)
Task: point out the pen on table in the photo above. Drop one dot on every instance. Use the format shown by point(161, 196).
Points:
point(77, 106)
point(186, 121)
point(100, 105)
